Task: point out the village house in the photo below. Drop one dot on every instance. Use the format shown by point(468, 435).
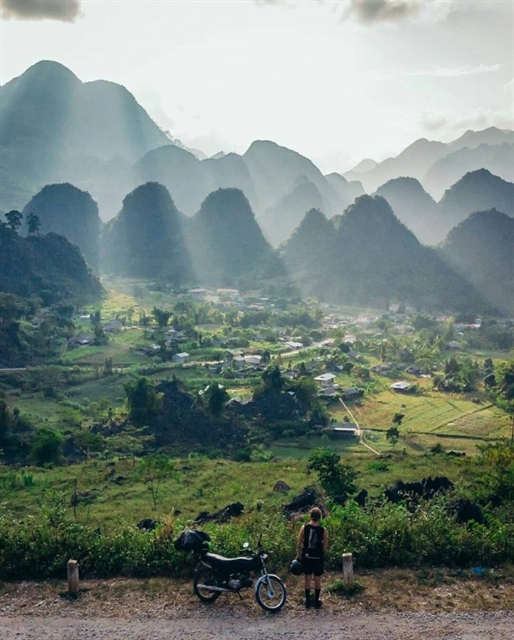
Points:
point(238, 361)
point(326, 379)
point(352, 393)
point(342, 430)
point(401, 386)
point(80, 340)
point(180, 358)
point(113, 326)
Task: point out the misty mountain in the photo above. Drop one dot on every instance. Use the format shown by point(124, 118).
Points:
point(281, 220)
point(146, 239)
point(369, 257)
point(227, 245)
point(347, 191)
point(413, 162)
point(481, 249)
point(476, 191)
point(306, 252)
point(498, 159)
point(280, 176)
point(188, 179)
point(55, 129)
point(490, 136)
point(47, 266)
point(414, 207)
point(426, 161)
point(70, 212)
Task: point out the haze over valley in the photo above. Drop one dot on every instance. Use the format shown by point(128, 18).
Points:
point(141, 205)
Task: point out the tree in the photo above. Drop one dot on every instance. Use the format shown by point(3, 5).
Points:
point(216, 398)
point(161, 316)
point(152, 470)
point(272, 379)
point(46, 448)
point(336, 479)
point(88, 441)
point(392, 434)
point(14, 219)
point(142, 402)
point(397, 419)
point(33, 224)
point(319, 415)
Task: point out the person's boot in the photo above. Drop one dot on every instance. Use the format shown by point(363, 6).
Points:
point(317, 601)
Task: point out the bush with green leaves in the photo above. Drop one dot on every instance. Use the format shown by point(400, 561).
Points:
point(336, 479)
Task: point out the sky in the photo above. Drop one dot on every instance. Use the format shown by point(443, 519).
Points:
point(335, 80)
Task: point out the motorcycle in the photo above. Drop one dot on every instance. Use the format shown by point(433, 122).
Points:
point(216, 574)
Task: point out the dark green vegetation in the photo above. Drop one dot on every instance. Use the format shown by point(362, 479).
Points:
point(67, 211)
point(146, 239)
point(48, 266)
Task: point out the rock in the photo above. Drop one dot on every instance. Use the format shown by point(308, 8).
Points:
point(281, 487)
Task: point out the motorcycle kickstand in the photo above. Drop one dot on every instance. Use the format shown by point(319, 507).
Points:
point(239, 594)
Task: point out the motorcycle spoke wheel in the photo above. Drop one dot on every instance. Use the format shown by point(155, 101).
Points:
point(271, 594)
point(203, 579)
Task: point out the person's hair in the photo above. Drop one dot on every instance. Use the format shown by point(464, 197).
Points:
point(315, 514)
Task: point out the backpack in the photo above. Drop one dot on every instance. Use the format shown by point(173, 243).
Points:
point(313, 542)
point(191, 540)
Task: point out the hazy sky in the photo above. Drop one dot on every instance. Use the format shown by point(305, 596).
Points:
point(335, 80)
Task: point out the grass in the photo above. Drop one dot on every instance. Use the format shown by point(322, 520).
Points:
point(118, 494)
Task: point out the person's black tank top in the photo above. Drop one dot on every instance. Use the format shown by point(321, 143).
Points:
point(313, 541)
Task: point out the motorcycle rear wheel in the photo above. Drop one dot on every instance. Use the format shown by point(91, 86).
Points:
point(270, 593)
point(205, 577)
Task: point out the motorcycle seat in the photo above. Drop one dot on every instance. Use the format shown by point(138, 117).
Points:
point(229, 565)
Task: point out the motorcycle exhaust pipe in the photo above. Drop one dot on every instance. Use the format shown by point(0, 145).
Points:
point(209, 587)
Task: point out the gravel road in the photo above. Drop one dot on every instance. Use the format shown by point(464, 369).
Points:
point(285, 625)
point(393, 606)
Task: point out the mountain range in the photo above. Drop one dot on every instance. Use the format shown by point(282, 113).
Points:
point(77, 153)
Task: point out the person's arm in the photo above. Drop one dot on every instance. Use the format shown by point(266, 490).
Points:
point(325, 539)
point(299, 543)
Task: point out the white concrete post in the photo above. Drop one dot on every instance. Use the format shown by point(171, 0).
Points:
point(347, 570)
point(73, 576)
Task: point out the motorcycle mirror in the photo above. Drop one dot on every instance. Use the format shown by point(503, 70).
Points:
point(246, 545)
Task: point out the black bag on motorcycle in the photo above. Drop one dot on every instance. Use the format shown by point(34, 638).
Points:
point(191, 540)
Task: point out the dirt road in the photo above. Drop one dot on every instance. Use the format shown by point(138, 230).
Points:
point(285, 625)
point(393, 606)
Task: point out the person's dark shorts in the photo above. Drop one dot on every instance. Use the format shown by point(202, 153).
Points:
point(313, 566)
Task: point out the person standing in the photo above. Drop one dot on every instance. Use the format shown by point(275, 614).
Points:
point(311, 546)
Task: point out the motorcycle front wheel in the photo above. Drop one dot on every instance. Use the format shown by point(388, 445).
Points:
point(270, 593)
point(204, 578)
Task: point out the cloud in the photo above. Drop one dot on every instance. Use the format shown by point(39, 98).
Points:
point(455, 72)
point(371, 11)
point(63, 10)
point(432, 121)
point(484, 118)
